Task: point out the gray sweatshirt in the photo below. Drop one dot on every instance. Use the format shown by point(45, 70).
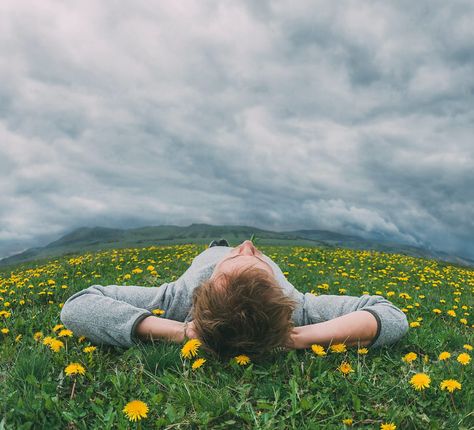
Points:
point(110, 314)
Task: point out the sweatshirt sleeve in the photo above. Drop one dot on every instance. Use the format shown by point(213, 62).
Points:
point(109, 314)
point(391, 321)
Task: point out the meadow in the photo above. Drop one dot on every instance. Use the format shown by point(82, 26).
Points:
point(52, 378)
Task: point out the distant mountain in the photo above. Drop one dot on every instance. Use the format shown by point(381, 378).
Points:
point(92, 239)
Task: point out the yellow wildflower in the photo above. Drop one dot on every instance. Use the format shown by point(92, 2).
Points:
point(318, 349)
point(338, 347)
point(89, 349)
point(242, 359)
point(135, 410)
point(74, 369)
point(5, 330)
point(464, 358)
point(38, 335)
point(388, 426)
point(57, 327)
point(468, 347)
point(158, 311)
point(345, 368)
point(347, 421)
point(444, 355)
point(190, 348)
point(450, 385)
point(408, 358)
point(56, 345)
point(65, 333)
point(198, 363)
point(362, 351)
point(414, 324)
point(420, 381)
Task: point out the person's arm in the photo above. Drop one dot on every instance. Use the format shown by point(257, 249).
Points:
point(365, 320)
point(161, 328)
point(110, 314)
point(355, 328)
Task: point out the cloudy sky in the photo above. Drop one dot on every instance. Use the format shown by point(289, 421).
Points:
point(350, 116)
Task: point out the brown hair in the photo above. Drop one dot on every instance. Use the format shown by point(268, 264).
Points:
point(244, 312)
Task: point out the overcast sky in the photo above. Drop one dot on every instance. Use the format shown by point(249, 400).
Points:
point(350, 116)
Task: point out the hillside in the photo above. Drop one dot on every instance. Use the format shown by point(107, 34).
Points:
point(91, 239)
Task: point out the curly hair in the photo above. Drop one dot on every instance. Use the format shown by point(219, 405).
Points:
point(243, 312)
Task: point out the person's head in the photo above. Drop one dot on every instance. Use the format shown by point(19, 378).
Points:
point(241, 309)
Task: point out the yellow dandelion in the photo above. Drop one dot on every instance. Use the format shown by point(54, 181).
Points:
point(437, 311)
point(158, 311)
point(5, 330)
point(318, 349)
point(65, 333)
point(468, 347)
point(347, 421)
point(362, 351)
point(135, 410)
point(38, 335)
point(190, 348)
point(388, 426)
point(463, 321)
point(420, 381)
point(338, 347)
point(47, 340)
point(345, 368)
point(242, 359)
point(414, 324)
point(74, 369)
point(444, 355)
point(451, 313)
point(56, 345)
point(89, 349)
point(198, 363)
point(57, 327)
point(81, 339)
point(450, 385)
point(464, 358)
point(408, 358)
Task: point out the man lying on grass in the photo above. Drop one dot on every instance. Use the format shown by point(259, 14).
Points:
point(235, 301)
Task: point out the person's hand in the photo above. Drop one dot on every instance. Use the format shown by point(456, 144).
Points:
point(191, 331)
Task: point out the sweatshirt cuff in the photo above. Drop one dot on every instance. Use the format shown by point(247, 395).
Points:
point(135, 339)
point(379, 325)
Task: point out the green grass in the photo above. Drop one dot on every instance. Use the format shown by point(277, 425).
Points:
point(295, 389)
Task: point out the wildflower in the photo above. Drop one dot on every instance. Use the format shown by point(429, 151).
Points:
point(242, 359)
point(345, 368)
point(56, 345)
point(190, 348)
point(420, 381)
point(463, 321)
point(5, 330)
point(464, 358)
point(81, 339)
point(450, 385)
point(57, 327)
point(444, 355)
point(74, 369)
point(338, 347)
point(89, 349)
point(414, 324)
point(135, 410)
point(468, 347)
point(65, 332)
point(318, 349)
point(47, 340)
point(347, 421)
point(158, 311)
point(362, 351)
point(38, 335)
point(198, 363)
point(451, 313)
point(17, 339)
point(388, 426)
point(408, 358)
point(437, 311)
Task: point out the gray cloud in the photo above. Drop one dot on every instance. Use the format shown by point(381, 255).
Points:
point(351, 117)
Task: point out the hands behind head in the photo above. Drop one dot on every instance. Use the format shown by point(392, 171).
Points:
point(191, 331)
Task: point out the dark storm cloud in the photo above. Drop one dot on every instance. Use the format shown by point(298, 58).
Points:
point(355, 117)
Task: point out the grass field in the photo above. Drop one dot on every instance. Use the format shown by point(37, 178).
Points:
point(296, 389)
